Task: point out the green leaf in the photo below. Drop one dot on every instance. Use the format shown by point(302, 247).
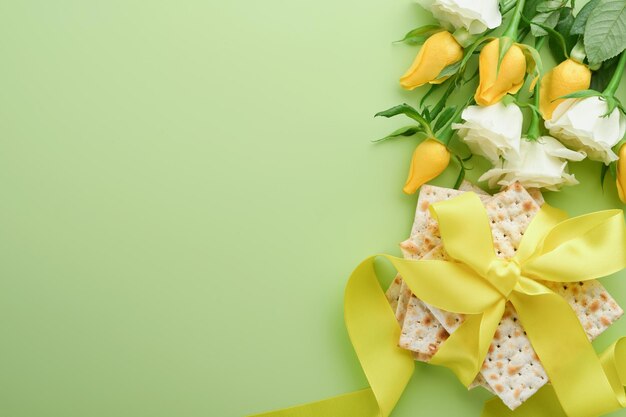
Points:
point(533, 60)
point(530, 10)
point(527, 106)
point(578, 28)
point(403, 131)
point(460, 65)
point(508, 99)
point(613, 168)
point(419, 35)
point(550, 6)
point(540, 22)
point(605, 31)
point(605, 169)
point(566, 20)
point(581, 94)
point(461, 176)
point(444, 117)
point(441, 103)
point(407, 111)
point(470, 50)
point(611, 103)
point(431, 89)
point(554, 35)
point(449, 70)
point(506, 5)
point(600, 79)
point(503, 47)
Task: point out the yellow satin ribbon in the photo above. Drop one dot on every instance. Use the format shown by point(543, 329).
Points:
point(478, 284)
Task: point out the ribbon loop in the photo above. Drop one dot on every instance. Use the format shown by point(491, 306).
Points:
point(455, 231)
point(579, 249)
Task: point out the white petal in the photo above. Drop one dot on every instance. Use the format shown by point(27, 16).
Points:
point(607, 129)
point(554, 148)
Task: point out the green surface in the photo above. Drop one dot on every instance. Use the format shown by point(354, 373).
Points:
point(166, 167)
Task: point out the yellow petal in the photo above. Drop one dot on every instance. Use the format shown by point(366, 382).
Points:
point(566, 78)
point(439, 51)
point(494, 83)
point(430, 159)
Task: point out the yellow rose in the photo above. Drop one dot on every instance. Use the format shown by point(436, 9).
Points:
point(494, 83)
point(430, 159)
point(621, 174)
point(439, 51)
point(566, 78)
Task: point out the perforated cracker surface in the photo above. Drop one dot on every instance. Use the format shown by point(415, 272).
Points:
point(421, 332)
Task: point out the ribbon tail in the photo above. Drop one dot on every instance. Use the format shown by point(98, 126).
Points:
point(465, 350)
point(355, 404)
point(544, 403)
point(574, 369)
point(613, 361)
point(374, 333)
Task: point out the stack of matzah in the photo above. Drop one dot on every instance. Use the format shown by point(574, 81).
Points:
point(511, 369)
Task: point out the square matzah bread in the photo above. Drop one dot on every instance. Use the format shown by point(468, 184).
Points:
point(511, 367)
point(424, 237)
point(423, 333)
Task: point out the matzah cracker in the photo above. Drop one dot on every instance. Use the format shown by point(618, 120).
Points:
point(468, 186)
point(511, 367)
point(590, 300)
point(403, 302)
point(425, 231)
point(480, 382)
point(421, 357)
point(414, 319)
point(393, 292)
point(416, 246)
point(421, 332)
point(535, 193)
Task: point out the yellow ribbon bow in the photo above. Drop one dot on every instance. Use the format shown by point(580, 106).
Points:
point(478, 284)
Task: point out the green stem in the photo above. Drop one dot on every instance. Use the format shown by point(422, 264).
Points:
point(578, 52)
point(445, 133)
point(511, 30)
point(534, 129)
point(539, 43)
point(507, 7)
point(444, 98)
point(610, 89)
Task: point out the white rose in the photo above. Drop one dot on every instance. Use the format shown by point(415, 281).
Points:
point(492, 131)
point(581, 125)
point(474, 15)
point(541, 164)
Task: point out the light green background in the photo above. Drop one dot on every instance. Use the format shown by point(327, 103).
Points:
point(185, 188)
